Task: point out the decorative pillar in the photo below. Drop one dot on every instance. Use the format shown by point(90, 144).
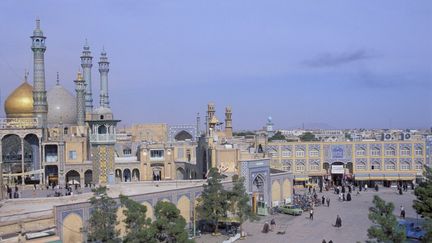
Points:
point(228, 122)
point(42, 163)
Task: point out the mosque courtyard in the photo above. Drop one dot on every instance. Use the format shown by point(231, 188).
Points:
point(354, 216)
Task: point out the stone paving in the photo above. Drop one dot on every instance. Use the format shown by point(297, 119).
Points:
point(354, 216)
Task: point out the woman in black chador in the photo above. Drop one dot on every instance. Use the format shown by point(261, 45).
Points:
point(348, 198)
point(338, 221)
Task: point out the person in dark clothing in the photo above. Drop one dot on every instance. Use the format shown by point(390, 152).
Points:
point(349, 189)
point(324, 241)
point(272, 224)
point(266, 228)
point(330, 241)
point(348, 197)
point(343, 189)
point(338, 223)
point(322, 200)
point(311, 213)
point(328, 202)
point(343, 197)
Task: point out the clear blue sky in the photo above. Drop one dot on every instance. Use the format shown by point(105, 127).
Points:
point(344, 63)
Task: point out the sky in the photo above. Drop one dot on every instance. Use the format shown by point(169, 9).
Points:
point(339, 64)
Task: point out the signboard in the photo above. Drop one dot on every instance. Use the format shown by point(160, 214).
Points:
point(18, 123)
point(337, 169)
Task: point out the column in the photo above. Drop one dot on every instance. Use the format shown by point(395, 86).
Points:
point(22, 161)
point(42, 163)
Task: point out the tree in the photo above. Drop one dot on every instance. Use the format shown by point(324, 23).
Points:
point(277, 136)
point(386, 228)
point(137, 224)
point(307, 137)
point(423, 203)
point(169, 225)
point(240, 201)
point(103, 218)
point(212, 205)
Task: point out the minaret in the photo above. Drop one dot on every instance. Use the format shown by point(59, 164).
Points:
point(80, 93)
point(103, 70)
point(228, 122)
point(40, 106)
point(86, 64)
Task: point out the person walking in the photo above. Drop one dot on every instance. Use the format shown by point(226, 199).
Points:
point(402, 212)
point(366, 187)
point(311, 213)
point(272, 224)
point(343, 197)
point(323, 200)
point(348, 197)
point(338, 223)
point(328, 202)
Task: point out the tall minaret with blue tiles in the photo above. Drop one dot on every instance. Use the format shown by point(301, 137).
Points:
point(40, 105)
point(103, 70)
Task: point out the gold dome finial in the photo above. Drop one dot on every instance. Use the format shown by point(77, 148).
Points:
point(79, 75)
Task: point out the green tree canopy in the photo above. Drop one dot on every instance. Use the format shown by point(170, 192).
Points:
point(103, 218)
point(169, 225)
point(137, 224)
point(239, 201)
point(386, 228)
point(277, 136)
point(307, 137)
point(212, 205)
point(423, 203)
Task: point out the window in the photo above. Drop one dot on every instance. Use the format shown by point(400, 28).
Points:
point(405, 166)
point(286, 153)
point(314, 167)
point(419, 166)
point(390, 152)
point(375, 166)
point(390, 166)
point(419, 151)
point(273, 154)
point(361, 166)
point(72, 154)
point(361, 152)
point(405, 151)
point(188, 155)
point(314, 153)
point(156, 154)
point(286, 167)
point(127, 151)
point(300, 167)
point(375, 152)
point(65, 131)
point(300, 153)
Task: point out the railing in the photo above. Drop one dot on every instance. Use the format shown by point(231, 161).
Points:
point(102, 137)
point(14, 123)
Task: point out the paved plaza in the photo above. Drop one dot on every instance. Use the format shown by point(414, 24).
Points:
point(354, 216)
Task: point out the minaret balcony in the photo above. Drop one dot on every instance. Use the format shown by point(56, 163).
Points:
point(102, 138)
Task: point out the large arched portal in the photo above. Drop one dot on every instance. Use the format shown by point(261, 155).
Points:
point(118, 175)
point(337, 170)
point(51, 174)
point(258, 189)
point(180, 174)
point(73, 177)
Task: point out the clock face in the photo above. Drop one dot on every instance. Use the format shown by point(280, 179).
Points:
point(387, 136)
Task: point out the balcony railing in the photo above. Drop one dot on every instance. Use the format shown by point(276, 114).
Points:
point(102, 138)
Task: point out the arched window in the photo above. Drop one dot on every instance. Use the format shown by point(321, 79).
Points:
point(102, 129)
point(419, 151)
point(375, 151)
point(419, 165)
point(390, 166)
point(314, 167)
point(300, 153)
point(405, 151)
point(361, 166)
point(314, 153)
point(390, 152)
point(300, 167)
point(405, 166)
point(361, 152)
point(286, 153)
point(376, 166)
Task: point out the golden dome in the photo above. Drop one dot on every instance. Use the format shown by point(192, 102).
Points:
point(20, 102)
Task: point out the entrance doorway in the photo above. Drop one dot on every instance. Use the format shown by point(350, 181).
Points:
point(337, 173)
